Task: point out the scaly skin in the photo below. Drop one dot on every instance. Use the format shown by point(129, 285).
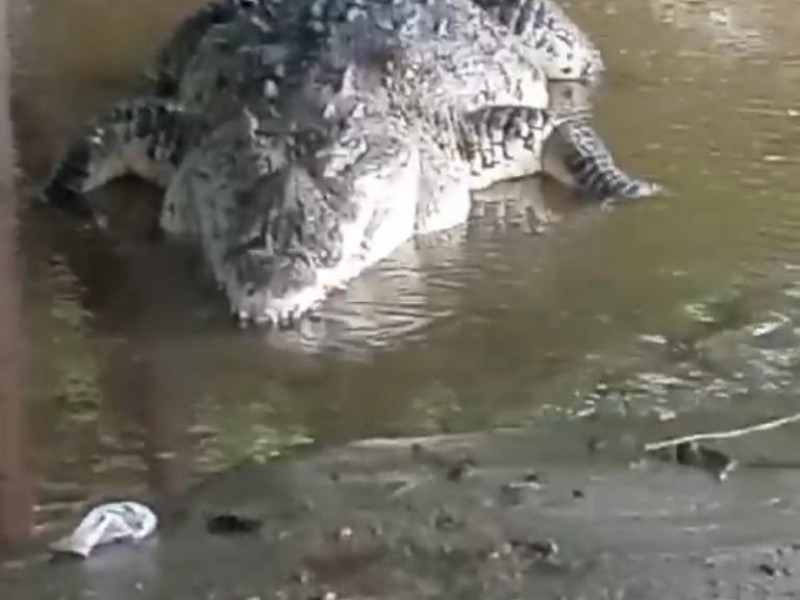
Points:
point(240, 63)
point(279, 41)
point(284, 217)
point(545, 35)
point(296, 162)
point(268, 78)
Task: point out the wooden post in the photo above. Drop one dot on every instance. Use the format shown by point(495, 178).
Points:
point(16, 510)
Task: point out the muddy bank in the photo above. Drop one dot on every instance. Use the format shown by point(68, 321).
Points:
point(127, 348)
point(495, 515)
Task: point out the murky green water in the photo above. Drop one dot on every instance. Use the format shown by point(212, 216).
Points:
point(136, 380)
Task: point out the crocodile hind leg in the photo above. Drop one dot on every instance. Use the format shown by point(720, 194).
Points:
point(146, 137)
point(504, 142)
point(311, 227)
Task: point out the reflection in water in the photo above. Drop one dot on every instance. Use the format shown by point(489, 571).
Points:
point(396, 300)
point(150, 390)
point(138, 376)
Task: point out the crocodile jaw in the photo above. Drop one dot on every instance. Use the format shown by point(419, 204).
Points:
point(286, 286)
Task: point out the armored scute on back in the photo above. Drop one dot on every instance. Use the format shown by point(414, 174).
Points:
point(240, 62)
point(550, 38)
point(298, 161)
point(542, 32)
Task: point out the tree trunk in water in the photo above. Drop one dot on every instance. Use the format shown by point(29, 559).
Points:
point(16, 512)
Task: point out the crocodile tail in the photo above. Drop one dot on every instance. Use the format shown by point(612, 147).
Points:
point(586, 164)
point(146, 137)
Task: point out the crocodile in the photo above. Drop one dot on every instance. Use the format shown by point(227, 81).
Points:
point(380, 145)
point(544, 33)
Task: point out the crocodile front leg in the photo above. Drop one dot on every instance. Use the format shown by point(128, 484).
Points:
point(147, 137)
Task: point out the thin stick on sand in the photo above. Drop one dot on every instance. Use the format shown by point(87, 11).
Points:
point(723, 435)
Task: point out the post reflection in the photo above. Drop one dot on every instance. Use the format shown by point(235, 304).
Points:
point(147, 373)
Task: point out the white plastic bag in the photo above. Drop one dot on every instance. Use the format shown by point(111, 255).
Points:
point(113, 522)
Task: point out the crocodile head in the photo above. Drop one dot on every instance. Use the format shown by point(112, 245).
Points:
point(311, 234)
point(277, 271)
point(279, 234)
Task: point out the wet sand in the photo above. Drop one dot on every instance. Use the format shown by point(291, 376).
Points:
point(482, 516)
